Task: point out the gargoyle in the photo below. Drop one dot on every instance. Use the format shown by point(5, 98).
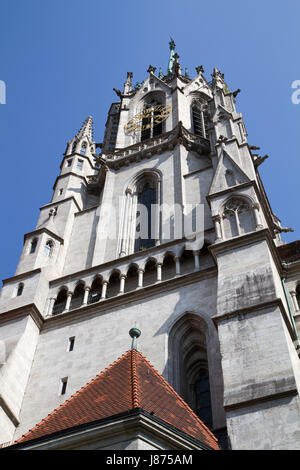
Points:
point(236, 92)
point(118, 92)
point(259, 160)
point(282, 229)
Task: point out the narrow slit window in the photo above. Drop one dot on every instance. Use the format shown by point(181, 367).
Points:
point(20, 289)
point(71, 343)
point(63, 387)
point(33, 245)
point(69, 162)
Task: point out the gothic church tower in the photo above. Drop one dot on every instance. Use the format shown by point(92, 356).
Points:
point(217, 305)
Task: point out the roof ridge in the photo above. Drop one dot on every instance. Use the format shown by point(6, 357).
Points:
point(78, 392)
point(177, 395)
point(134, 381)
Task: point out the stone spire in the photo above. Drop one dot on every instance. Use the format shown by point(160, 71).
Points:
point(86, 129)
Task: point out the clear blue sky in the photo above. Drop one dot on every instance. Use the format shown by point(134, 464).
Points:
point(60, 60)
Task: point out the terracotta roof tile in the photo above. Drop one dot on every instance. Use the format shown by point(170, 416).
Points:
point(128, 383)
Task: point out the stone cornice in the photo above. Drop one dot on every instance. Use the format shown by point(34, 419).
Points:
point(277, 302)
point(25, 310)
point(21, 276)
point(246, 239)
point(57, 203)
point(41, 230)
point(68, 174)
point(157, 145)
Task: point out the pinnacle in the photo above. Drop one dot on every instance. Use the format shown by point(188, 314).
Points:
point(86, 129)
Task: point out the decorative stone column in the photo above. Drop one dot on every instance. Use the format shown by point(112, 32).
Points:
point(68, 302)
point(197, 260)
point(258, 224)
point(124, 241)
point(217, 222)
point(295, 300)
point(158, 272)
point(122, 283)
point(177, 262)
point(86, 295)
point(104, 289)
point(157, 214)
point(51, 305)
point(140, 278)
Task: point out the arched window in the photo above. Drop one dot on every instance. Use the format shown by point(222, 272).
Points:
point(141, 215)
point(96, 290)
point(168, 267)
point(113, 287)
point(48, 248)
point(77, 297)
point(33, 245)
point(20, 289)
point(200, 117)
point(132, 278)
point(60, 302)
point(153, 115)
point(74, 147)
point(145, 222)
point(189, 365)
point(237, 217)
point(83, 148)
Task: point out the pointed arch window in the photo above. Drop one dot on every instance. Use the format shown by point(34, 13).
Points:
point(145, 226)
point(200, 118)
point(237, 217)
point(152, 122)
point(48, 249)
point(141, 219)
point(83, 148)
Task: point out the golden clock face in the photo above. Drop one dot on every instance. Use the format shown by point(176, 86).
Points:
point(147, 118)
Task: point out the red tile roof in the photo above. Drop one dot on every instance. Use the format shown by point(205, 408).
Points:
point(128, 383)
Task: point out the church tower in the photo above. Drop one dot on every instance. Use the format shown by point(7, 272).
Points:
point(164, 225)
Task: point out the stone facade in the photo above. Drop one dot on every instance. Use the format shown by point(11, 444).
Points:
point(224, 298)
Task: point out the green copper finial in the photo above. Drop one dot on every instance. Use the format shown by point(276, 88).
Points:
point(134, 333)
point(186, 73)
point(171, 59)
point(160, 73)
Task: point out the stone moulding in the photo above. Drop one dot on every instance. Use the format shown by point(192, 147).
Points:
point(158, 144)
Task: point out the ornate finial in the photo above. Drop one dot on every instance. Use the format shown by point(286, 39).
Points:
point(171, 58)
point(186, 73)
point(128, 83)
point(151, 69)
point(134, 333)
point(199, 69)
point(160, 73)
point(176, 65)
point(172, 44)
